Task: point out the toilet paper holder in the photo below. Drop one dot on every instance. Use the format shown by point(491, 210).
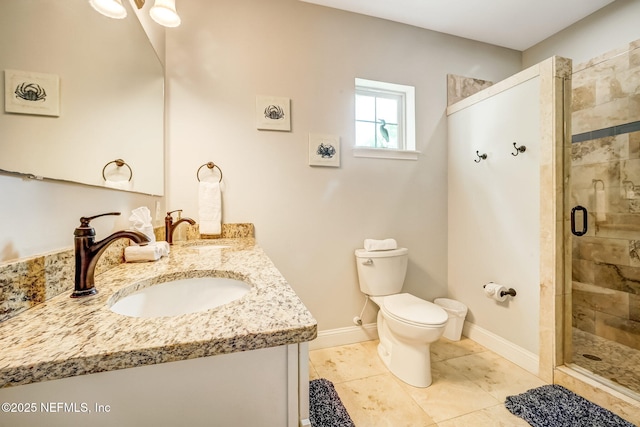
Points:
point(510, 291)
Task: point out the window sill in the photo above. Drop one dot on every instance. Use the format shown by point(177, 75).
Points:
point(385, 153)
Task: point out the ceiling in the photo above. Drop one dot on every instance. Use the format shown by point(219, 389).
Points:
point(515, 24)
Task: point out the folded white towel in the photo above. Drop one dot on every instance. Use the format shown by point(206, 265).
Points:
point(380, 245)
point(163, 247)
point(210, 207)
point(150, 252)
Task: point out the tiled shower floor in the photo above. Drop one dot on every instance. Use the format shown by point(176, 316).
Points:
point(619, 364)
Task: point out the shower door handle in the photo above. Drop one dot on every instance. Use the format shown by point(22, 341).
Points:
point(584, 220)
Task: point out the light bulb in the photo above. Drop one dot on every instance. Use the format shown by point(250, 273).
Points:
point(110, 8)
point(164, 13)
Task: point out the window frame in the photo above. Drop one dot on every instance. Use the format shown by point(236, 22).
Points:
point(406, 123)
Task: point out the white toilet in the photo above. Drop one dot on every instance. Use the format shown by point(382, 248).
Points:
point(407, 325)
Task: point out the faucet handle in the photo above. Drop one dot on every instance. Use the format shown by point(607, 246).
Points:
point(169, 218)
point(85, 229)
point(84, 221)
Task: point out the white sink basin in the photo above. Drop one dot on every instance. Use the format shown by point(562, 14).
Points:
point(181, 297)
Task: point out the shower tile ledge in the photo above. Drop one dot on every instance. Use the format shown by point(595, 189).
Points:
point(65, 337)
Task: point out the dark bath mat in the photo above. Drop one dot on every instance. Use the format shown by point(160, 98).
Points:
point(325, 407)
point(555, 406)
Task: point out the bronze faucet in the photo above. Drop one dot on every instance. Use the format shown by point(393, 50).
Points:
point(88, 251)
point(170, 227)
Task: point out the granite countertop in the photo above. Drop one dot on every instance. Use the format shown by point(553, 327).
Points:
point(64, 337)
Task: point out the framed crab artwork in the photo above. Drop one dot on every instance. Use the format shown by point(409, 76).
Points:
point(324, 150)
point(31, 93)
point(273, 113)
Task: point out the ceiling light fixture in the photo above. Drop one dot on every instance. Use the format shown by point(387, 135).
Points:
point(163, 11)
point(110, 8)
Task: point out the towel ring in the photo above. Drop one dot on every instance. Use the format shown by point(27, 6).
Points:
point(119, 163)
point(210, 165)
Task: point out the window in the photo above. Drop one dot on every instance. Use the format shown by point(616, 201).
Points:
point(385, 120)
point(377, 117)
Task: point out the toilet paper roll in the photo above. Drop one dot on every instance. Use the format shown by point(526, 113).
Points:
point(501, 294)
point(496, 291)
point(489, 289)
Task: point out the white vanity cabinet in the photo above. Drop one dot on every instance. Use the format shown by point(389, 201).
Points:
point(267, 387)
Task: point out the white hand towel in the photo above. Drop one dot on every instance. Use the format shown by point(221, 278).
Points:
point(210, 207)
point(151, 252)
point(119, 185)
point(380, 245)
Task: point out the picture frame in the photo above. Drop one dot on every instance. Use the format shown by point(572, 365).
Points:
point(28, 92)
point(324, 150)
point(273, 113)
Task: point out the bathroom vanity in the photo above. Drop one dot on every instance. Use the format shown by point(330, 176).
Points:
point(70, 362)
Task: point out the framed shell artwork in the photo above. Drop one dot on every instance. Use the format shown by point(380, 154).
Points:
point(273, 113)
point(31, 93)
point(324, 150)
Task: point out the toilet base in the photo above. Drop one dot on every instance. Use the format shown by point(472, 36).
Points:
point(410, 362)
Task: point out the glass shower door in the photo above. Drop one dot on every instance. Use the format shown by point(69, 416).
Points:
point(605, 209)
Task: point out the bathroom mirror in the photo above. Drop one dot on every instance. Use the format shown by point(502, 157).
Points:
point(110, 96)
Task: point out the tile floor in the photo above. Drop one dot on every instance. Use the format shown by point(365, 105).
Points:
point(470, 384)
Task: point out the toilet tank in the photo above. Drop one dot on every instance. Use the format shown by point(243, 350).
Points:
point(382, 272)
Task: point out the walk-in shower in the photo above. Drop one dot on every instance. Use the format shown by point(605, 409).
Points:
point(605, 190)
point(583, 294)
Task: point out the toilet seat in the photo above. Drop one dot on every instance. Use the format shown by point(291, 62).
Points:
point(363, 253)
point(410, 309)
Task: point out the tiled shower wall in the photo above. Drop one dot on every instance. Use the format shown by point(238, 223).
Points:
point(605, 179)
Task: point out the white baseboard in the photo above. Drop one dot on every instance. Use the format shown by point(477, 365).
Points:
point(516, 354)
point(344, 336)
point(354, 334)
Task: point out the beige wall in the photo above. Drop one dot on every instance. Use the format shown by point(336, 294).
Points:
point(609, 28)
point(155, 32)
point(310, 220)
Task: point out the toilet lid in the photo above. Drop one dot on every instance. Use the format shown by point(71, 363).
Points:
point(411, 309)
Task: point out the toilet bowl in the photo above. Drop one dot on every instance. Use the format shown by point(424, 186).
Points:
point(407, 325)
